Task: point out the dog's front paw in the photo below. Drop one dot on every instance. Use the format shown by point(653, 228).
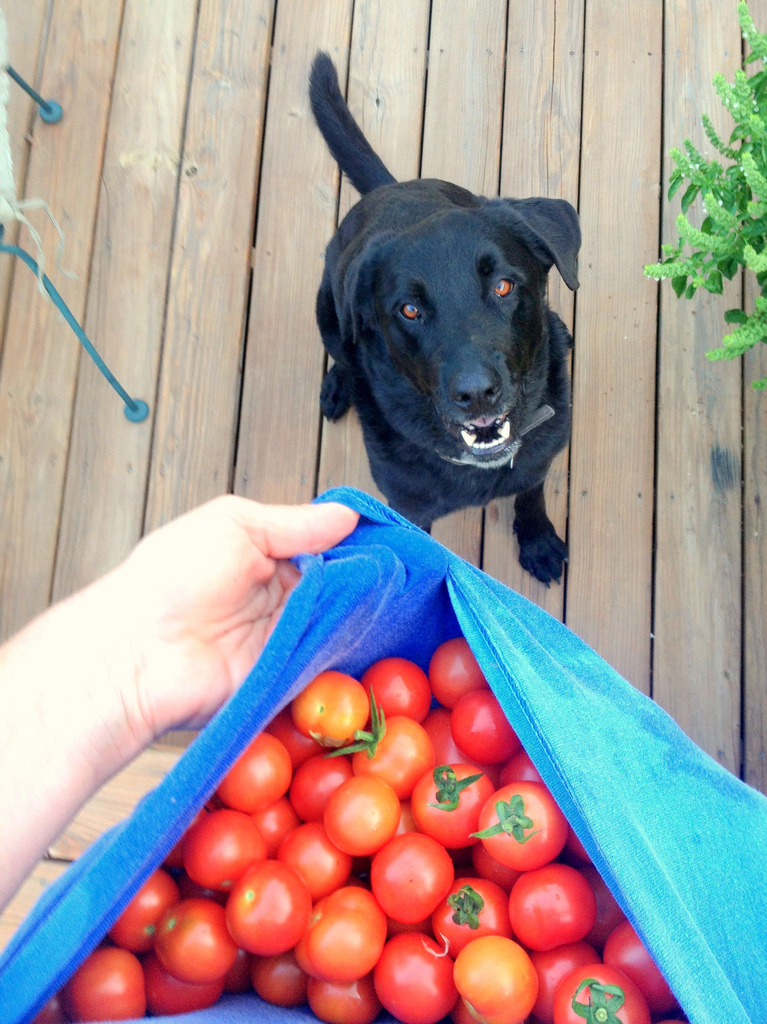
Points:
point(543, 555)
point(334, 394)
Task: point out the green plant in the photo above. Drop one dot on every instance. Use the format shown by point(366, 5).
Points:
point(734, 231)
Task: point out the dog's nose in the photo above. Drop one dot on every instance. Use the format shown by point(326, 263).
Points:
point(477, 389)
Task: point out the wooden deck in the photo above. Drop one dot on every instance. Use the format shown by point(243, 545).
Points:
point(197, 197)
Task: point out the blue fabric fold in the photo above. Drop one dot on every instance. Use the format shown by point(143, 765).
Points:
point(681, 842)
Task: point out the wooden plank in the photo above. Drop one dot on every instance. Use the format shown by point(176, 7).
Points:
point(278, 442)
point(199, 390)
point(41, 355)
point(541, 153)
point(114, 802)
point(26, 20)
point(126, 299)
point(609, 578)
point(696, 667)
point(755, 535)
point(386, 85)
point(47, 871)
point(462, 144)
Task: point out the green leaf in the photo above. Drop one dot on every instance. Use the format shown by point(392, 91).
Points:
point(689, 197)
point(713, 283)
point(675, 183)
point(691, 289)
point(728, 267)
point(679, 284)
point(735, 316)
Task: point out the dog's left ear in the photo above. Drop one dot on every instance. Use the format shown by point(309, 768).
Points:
point(549, 228)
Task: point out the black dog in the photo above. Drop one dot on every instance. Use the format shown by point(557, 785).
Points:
point(433, 307)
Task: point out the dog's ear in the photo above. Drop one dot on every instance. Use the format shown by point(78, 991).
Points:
point(549, 228)
point(357, 310)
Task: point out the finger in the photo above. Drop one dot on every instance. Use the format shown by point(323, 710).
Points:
point(282, 531)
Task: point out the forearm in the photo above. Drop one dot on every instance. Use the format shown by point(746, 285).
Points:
point(65, 730)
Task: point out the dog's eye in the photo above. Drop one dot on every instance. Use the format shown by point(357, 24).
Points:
point(504, 287)
point(409, 311)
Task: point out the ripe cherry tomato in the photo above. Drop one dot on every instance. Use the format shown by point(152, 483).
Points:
point(414, 979)
point(237, 978)
point(345, 937)
point(609, 913)
point(447, 809)
point(488, 867)
point(613, 990)
point(321, 864)
point(453, 671)
point(362, 815)
point(351, 1002)
point(400, 687)
point(533, 831)
point(269, 908)
point(403, 754)
point(551, 906)
point(575, 848)
point(437, 724)
point(315, 782)
point(411, 876)
point(260, 776)
point(496, 977)
point(278, 979)
point(167, 995)
point(551, 966)
point(220, 847)
point(52, 1012)
point(626, 951)
point(331, 708)
point(275, 821)
point(135, 928)
point(481, 729)
point(519, 768)
point(193, 943)
point(300, 747)
point(108, 985)
point(473, 907)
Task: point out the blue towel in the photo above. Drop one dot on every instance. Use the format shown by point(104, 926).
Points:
point(681, 843)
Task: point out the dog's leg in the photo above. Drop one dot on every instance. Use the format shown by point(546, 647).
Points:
point(334, 394)
point(541, 552)
point(335, 397)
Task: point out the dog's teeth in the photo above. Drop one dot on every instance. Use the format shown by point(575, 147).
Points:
point(469, 438)
point(505, 432)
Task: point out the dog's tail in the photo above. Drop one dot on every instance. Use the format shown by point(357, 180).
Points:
point(352, 151)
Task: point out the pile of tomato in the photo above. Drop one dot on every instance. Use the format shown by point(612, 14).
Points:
point(385, 843)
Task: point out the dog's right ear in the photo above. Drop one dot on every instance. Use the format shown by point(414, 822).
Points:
point(357, 301)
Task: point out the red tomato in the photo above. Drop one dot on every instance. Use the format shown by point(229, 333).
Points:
point(402, 756)
point(300, 747)
point(315, 782)
point(269, 908)
point(52, 1012)
point(609, 913)
point(135, 928)
point(278, 979)
point(497, 980)
point(519, 768)
point(488, 867)
point(453, 671)
point(321, 864)
point(551, 966)
point(351, 1002)
point(551, 906)
point(108, 985)
point(446, 809)
point(400, 687)
point(613, 990)
point(414, 979)
point(187, 890)
point(331, 708)
point(166, 994)
point(406, 819)
point(275, 822)
point(400, 927)
point(345, 937)
point(237, 978)
point(481, 729)
point(534, 829)
point(626, 951)
point(175, 858)
point(193, 943)
point(220, 847)
point(575, 848)
point(437, 724)
point(362, 815)
point(411, 876)
point(473, 907)
point(260, 776)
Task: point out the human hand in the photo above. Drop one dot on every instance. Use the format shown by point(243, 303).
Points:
point(206, 590)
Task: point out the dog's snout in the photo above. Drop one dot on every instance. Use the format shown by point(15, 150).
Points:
point(478, 388)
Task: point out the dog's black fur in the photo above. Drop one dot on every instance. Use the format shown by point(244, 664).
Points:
point(444, 369)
